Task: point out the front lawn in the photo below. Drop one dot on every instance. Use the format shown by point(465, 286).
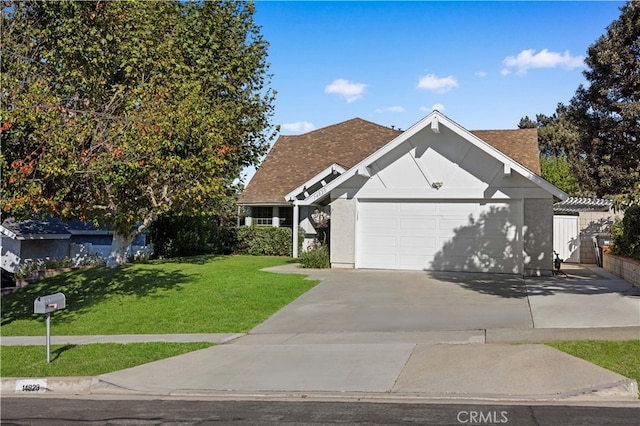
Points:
point(226, 294)
point(86, 360)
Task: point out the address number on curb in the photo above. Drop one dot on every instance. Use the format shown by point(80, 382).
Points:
point(31, 385)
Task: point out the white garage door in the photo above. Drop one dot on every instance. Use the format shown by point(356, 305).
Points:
point(444, 236)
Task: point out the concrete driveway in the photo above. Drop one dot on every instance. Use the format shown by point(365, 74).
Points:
point(381, 334)
point(357, 301)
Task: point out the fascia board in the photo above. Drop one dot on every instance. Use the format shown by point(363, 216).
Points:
point(7, 233)
point(317, 178)
point(44, 237)
point(90, 232)
point(266, 204)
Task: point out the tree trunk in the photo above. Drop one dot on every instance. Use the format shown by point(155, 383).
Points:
point(118, 252)
point(120, 242)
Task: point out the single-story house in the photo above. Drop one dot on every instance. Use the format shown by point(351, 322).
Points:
point(434, 197)
point(580, 225)
point(49, 238)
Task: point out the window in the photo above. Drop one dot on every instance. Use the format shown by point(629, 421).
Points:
point(262, 216)
point(286, 216)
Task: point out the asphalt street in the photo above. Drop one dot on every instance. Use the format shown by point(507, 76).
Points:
point(74, 411)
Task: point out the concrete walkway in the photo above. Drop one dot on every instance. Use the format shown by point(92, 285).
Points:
point(399, 335)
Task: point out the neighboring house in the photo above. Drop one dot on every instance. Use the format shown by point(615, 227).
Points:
point(40, 239)
point(435, 197)
point(578, 223)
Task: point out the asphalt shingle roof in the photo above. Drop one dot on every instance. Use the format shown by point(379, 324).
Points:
point(48, 226)
point(293, 160)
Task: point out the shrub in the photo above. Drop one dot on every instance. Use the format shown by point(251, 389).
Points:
point(224, 239)
point(317, 258)
point(627, 234)
point(177, 236)
point(26, 270)
point(264, 241)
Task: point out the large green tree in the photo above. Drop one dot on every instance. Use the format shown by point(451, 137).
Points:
point(118, 112)
point(606, 111)
point(557, 138)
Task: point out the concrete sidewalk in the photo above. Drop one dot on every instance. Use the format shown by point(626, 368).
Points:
point(402, 336)
point(324, 366)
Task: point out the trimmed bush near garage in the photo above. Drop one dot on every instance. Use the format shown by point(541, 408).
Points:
point(317, 258)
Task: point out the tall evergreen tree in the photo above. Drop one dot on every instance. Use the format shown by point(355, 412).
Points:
point(606, 112)
point(556, 137)
point(527, 123)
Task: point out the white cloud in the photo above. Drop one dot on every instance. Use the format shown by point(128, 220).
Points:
point(438, 107)
point(390, 109)
point(481, 74)
point(350, 91)
point(298, 127)
point(543, 59)
point(437, 84)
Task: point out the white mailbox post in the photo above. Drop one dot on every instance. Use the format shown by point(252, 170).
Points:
point(46, 305)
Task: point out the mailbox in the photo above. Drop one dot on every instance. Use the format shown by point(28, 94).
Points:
point(50, 303)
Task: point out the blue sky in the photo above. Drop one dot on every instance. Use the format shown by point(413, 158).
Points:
point(483, 64)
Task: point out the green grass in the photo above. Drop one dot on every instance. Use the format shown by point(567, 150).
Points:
point(226, 294)
point(196, 295)
point(622, 357)
point(86, 360)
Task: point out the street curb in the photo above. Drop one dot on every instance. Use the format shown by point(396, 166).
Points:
point(622, 391)
point(39, 386)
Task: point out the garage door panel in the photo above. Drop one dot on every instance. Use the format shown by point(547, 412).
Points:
point(416, 225)
point(451, 223)
point(417, 209)
point(427, 235)
point(382, 260)
point(383, 223)
point(408, 262)
point(373, 243)
point(417, 243)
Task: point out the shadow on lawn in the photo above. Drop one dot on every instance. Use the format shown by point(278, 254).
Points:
point(57, 352)
point(195, 260)
point(87, 287)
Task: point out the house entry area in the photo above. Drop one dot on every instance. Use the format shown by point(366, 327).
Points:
point(447, 235)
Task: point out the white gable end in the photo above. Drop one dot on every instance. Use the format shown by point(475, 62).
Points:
point(439, 165)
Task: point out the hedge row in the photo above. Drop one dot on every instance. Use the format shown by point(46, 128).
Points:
point(192, 236)
point(266, 241)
